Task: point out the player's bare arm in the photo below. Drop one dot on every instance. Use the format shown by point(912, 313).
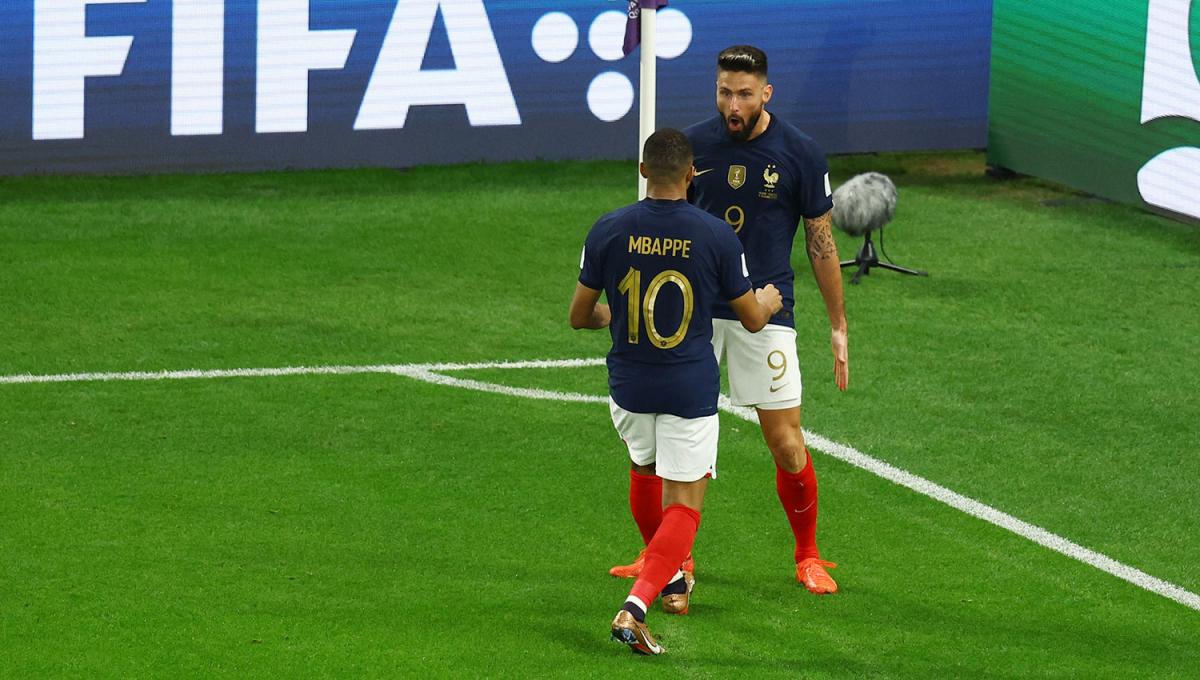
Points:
point(818, 237)
point(822, 253)
point(756, 307)
point(586, 309)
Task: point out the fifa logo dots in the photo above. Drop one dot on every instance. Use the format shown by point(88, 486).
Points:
point(610, 94)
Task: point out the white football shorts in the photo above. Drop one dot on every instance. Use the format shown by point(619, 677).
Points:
point(681, 449)
point(763, 368)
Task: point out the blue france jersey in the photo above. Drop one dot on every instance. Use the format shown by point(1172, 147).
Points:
point(663, 266)
point(762, 188)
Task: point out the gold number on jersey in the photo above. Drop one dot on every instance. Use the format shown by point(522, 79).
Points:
point(631, 287)
point(735, 217)
point(685, 287)
point(780, 365)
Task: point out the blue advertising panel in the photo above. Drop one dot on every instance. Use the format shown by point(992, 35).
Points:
point(164, 85)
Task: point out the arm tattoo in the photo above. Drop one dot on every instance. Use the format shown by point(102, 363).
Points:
point(819, 239)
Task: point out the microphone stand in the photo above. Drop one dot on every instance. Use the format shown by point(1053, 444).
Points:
point(866, 258)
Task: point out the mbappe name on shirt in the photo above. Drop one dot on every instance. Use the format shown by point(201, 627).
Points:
point(650, 245)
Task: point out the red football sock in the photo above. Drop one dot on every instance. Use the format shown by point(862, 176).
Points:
point(645, 502)
point(798, 494)
point(666, 552)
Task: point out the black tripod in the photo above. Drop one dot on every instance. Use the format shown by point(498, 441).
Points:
point(866, 258)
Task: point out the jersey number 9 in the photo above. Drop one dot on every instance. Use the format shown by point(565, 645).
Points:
point(631, 286)
point(735, 217)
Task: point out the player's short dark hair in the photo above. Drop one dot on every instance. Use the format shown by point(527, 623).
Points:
point(667, 155)
point(743, 58)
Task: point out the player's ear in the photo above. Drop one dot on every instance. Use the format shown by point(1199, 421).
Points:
point(642, 170)
point(767, 91)
point(691, 174)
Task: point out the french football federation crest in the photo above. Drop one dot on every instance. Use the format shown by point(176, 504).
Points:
point(737, 176)
point(770, 177)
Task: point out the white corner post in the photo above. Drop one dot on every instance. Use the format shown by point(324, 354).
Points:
point(647, 87)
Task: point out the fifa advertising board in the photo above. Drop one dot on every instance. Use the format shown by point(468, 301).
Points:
point(204, 85)
point(1101, 96)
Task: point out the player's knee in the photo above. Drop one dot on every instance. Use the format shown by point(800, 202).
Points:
point(642, 469)
point(788, 451)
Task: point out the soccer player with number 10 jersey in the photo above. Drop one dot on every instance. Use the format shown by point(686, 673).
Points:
point(664, 265)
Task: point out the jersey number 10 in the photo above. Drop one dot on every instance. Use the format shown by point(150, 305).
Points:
point(631, 286)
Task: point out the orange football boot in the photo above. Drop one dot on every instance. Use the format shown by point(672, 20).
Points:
point(811, 572)
point(634, 569)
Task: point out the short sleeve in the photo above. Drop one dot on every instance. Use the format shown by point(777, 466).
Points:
point(591, 260)
point(815, 193)
point(733, 273)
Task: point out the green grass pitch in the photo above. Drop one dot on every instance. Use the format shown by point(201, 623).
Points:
point(372, 525)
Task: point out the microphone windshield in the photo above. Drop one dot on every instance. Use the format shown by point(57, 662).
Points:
point(864, 203)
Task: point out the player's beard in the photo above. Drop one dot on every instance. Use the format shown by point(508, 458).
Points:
point(747, 127)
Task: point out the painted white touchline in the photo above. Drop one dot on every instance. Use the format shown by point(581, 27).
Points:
point(292, 370)
point(428, 373)
point(193, 373)
point(420, 373)
point(539, 363)
point(984, 512)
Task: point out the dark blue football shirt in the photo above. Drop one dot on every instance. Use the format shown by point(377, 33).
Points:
point(763, 188)
point(663, 266)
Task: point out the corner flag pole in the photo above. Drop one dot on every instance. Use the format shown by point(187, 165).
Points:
point(647, 85)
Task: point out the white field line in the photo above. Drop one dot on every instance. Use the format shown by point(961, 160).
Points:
point(294, 370)
point(984, 512)
point(191, 374)
point(431, 373)
point(429, 376)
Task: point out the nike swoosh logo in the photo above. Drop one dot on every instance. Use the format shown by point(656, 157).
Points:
point(780, 387)
point(701, 172)
point(805, 508)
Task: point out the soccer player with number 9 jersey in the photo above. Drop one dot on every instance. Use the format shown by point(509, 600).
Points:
point(764, 177)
